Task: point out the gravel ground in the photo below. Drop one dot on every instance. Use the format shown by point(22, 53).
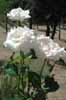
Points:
point(58, 71)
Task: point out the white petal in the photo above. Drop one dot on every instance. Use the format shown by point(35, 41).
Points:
point(18, 14)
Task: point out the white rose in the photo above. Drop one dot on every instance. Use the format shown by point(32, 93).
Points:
point(19, 38)
point(18, 14)
point(25, 39)
point(47, 48)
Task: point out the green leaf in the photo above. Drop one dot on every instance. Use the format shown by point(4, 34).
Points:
point(22, 54)
point(10, 72)
point(60, 62)
point(47, 70)
point(17, 58)
point(34, 78)
point(16, 97)
point(28, 55)
point(31, 54)
point(29, 98)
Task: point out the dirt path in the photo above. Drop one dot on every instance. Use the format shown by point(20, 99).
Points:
point(4, 53)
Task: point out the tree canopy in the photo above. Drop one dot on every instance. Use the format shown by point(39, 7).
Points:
point(6, 5)
point(48, 10)
point(40, 10)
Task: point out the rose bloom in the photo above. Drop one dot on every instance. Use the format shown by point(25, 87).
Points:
point(47, 48)
point(24, 39)
point(19, 38)
point(18, 14)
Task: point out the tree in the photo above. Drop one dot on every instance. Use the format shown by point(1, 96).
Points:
point(49, 12)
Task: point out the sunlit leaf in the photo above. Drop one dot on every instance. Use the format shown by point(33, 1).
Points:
point(16, 59)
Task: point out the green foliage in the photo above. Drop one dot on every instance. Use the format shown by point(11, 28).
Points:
point(4, 4)
point(10, 72)
point(19, 79)
point(16, 97)
point(7, 5)
point(60, 62)
point(35, 79)
point(30, 98)
point(47, 70)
